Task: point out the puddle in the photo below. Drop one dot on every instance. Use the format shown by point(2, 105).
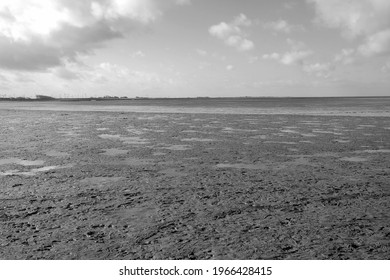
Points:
point(262, 137)
point(135, 131)
point(373, 151)
point(32, 172)
point(314, 123)
point(56, 154)
point(21, 162)
point(114, 152)
point(231, 130)
point(323, 131)
point(198, 139)
point(242, 166)
point(289, 131)
point(159, 154)
point(191, 131)
point(110, 136)
point(67, 132)
point(354, 159)
point(366, 125)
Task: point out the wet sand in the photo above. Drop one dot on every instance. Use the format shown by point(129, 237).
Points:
point(79, 184)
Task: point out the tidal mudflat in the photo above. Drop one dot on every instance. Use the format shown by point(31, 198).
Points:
point(112, 184)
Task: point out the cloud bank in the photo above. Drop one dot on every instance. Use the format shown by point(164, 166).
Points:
point(368, 20)
point(36, 35)
point(233, 34)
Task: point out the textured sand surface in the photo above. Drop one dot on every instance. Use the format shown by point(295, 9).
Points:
point(125, 185)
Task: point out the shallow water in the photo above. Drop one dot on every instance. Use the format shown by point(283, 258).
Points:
point(32, 172)
point(354, 159)
point(21, 162)
point(374, 151)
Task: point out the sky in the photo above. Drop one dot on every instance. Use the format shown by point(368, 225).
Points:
point(194, 48)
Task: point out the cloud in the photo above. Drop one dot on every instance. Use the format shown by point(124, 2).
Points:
point(282, 26)
point(229, 67)
point(289, 58)
point(201, 52)
point(322, 70)
point(66, 74)
point(386, 67)
point(253, 59)
point(232, 33)
point(36, 35)
point(346, 56)
point(138, 54)
point(363, 19)
point(296, 55)
point(376, 44)
point(183, 2)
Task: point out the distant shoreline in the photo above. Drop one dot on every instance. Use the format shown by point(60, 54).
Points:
point(53, 99)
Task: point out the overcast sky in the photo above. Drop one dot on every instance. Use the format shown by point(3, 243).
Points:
point(188, 48)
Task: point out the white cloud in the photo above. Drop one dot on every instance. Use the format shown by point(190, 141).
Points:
point(366, 19)
point(322, 70)
point(229, 67)
point(232, 33)
point(289, 58)
point(36, 35)
point(282, 26)
point(201, 52)
point(346, 56)
point(386, 67)
point(296, 55)
point(253, 59)
point(183, 2)
point(376, 44)
point(138, 54)
point(66, 74)
point(275, 56)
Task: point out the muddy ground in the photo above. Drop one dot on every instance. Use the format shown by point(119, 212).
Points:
point(111, 185)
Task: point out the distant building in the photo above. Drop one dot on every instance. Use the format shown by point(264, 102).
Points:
point(44, 97)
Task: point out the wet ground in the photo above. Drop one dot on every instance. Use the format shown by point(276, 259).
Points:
point(127, 185)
